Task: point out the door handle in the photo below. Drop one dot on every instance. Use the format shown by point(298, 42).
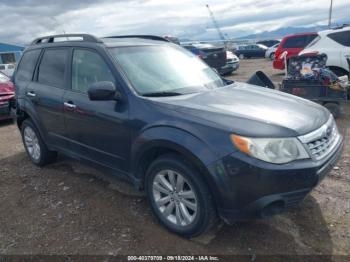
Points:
point(69, 105)
point(31, 94)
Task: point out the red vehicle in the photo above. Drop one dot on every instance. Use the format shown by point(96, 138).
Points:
point(293, 44)
point(7, 94)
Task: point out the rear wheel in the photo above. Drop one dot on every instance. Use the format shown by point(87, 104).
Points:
point(179, 197)
point(35, 147)
point(241, 56)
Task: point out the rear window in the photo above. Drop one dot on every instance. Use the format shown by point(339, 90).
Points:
point(342, 38)
point(27, 65)
point(53, 67)
point(298, 41)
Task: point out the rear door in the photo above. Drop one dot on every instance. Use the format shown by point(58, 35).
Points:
point(45, 93)
point(97, 130)
point(342, 38)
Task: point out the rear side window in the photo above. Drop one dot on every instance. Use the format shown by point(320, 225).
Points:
point(342, 38)
point(88, 67)
point(53, 67)
point(298, 41)
point(27, 65)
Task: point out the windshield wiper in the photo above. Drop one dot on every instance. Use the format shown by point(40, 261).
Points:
point(164, 93)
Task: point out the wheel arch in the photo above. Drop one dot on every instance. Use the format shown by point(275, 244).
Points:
point(171, 141)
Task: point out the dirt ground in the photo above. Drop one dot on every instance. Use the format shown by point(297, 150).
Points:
point(69, 208)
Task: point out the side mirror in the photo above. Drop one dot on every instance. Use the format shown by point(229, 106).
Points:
point(103, 91)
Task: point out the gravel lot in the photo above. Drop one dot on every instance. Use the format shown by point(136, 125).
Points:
point(69, 208)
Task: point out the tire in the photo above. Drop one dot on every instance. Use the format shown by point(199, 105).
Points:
point(241, 56)
point(38, 152)
point(333, 108)
point(272, 56)
point(200, 219)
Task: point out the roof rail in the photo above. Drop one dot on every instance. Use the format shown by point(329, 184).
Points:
point(151, 37)
point(51, 38)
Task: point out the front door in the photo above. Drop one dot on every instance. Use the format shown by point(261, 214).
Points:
point(97, 129)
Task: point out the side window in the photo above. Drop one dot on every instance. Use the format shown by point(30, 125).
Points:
point(296, 42)
point(26, 67)
point(53, 67)
point(88, 67)
point(342, 38)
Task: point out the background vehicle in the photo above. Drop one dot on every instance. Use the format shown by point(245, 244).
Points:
point(292, 44)
point(7, 94)
point(268, 43)
point(161, 118)
point(270, 52)
point(335, 43)
point(214, 56)
point(249, 51)
point(232, 61)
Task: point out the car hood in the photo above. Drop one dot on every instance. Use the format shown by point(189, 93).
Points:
point(250, 110)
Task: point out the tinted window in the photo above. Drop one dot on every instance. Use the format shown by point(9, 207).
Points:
point(53, 67)
point(88, 67)
point(8, 58)
point(342, 38)
point(298, 41)
point(27, 65)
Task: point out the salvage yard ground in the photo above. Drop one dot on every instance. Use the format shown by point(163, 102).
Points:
point(69, 208)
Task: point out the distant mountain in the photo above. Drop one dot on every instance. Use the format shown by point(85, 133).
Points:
point(281, 32)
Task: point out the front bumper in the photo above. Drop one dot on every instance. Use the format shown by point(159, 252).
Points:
point(248, 188)
point(228, 68)
point(5, 112)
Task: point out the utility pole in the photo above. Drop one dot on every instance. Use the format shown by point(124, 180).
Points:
point(330, 15)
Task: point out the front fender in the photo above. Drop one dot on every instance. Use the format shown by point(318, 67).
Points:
point(171, 138)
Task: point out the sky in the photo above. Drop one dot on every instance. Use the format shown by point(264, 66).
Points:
point(24, 20)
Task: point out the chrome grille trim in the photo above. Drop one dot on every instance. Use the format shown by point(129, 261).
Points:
point(322, 141)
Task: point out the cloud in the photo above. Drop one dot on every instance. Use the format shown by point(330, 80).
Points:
point(28, 19)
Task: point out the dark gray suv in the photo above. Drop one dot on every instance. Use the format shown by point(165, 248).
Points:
point(153, 113)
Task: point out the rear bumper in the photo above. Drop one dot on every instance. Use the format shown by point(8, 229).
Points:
point(250, 188)
point(278, 64)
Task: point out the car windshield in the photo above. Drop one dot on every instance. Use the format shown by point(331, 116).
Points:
point(164, 70)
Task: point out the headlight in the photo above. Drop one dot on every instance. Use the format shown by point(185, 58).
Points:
point(272, 150)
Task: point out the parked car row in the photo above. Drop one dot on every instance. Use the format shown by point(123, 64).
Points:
point(335, 43)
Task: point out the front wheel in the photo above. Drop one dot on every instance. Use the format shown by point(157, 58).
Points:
point(179, 197)
point(272, 56)
point(241, 56)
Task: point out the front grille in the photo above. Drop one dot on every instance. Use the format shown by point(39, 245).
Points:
point(322, 141)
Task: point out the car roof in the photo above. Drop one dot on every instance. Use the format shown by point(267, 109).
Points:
point(300, 34)
point(334, 30)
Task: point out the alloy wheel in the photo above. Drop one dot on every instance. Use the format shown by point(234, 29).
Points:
point(175, 197)
point(32, 143)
